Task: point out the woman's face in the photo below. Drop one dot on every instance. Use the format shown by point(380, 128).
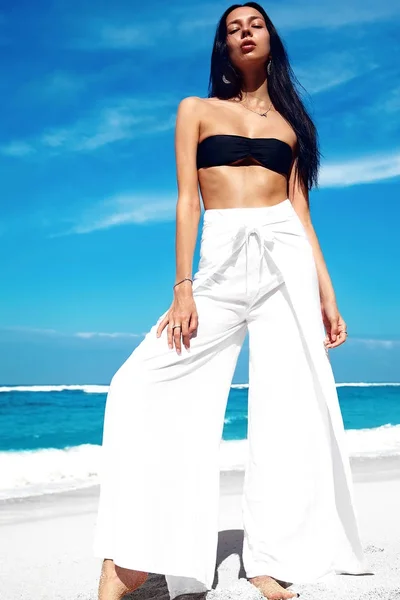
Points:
point(247, 24)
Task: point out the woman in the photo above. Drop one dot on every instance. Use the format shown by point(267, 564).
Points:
point(261, 270)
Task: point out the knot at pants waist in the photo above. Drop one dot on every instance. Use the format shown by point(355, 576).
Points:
point(227, 231)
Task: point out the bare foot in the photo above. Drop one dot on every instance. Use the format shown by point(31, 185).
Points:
point(271, 589)
point(115, 581)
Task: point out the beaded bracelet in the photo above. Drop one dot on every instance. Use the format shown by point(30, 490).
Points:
point(185, 279)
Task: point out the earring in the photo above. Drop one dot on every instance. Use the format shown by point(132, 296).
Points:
point(269, 67)
point(225, 80)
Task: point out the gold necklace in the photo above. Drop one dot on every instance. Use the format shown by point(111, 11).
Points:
point(264, 114)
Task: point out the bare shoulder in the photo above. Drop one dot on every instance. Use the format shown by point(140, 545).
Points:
point(192, 113)
point(190, 103)
point(199, 111)
point(194, 105)
point(197, 99)
point(189, 109)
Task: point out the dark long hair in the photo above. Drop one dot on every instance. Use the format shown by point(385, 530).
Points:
point(282, 84)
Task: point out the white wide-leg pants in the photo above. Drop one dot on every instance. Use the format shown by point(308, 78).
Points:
point(164, 416)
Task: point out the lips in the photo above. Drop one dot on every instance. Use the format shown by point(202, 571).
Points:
point(247, 44)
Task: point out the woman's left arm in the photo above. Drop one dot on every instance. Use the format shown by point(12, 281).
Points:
point(334, 323)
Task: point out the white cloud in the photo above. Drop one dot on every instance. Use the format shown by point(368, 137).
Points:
point(125, 37)
point(99, 334)
point(17, 149)
point(114, 34)
point(134, 208)
point(38, 330)
point(314, 14)
point(80, 334)
point(392, 102)
point(311, 14)
point(56, 138)
point(332, 69)
point(124, 209)
point(126, 119)
point(110, 125)
point(370, 343)
point(60, 84)
point(374, 344)
point(354, 171)
point(195, 23)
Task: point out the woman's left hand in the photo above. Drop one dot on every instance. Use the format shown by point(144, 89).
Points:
point(335, 326)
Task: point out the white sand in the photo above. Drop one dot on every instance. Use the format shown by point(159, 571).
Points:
point(45, 544)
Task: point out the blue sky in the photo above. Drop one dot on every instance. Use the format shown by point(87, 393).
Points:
point(89, 97)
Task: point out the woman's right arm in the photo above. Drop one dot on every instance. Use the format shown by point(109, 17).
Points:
point(183, 309)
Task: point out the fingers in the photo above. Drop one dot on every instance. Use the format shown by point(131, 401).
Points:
point(177, 338)
point(335, 344)
point(170, 333)
point(334, 330)
point(342, 333)
point(162, 325)
point(174, 336)
point(337, 334)
point(194, 323)
point(180, 329)
point(185, 333)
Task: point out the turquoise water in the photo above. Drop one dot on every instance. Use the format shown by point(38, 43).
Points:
point(50, 436)
point(30, 420)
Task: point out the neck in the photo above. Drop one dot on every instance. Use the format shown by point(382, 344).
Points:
point(255, 88)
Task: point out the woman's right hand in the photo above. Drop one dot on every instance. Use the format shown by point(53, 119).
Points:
point(182, 312)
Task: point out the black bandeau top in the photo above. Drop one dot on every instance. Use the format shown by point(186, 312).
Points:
point(223, 149)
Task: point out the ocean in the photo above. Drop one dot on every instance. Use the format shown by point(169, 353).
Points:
point(50, 436)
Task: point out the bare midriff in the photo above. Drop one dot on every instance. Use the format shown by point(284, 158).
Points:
point(246, 183)
point(245, 186)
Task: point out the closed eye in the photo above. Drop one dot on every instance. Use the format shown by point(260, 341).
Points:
point(255, 26)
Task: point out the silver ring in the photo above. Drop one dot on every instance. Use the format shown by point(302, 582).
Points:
point(174, 326)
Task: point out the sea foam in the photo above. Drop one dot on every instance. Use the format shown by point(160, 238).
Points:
point(88, 389)
point(32, 472)
point(103, 389)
